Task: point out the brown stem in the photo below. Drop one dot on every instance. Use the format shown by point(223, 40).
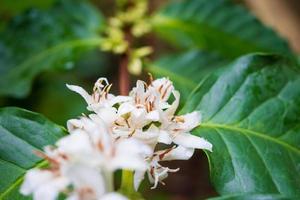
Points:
point(124, 78)
point(124, 75)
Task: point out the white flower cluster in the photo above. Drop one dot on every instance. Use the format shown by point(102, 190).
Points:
point(123, 132)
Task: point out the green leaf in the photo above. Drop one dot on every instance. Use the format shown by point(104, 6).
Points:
point(251, 115)
point(251, 197)
point(22, 132)
point(41, 40)
point(186, 70)
point(218, 25)
point(57, 102)
point(9, 7)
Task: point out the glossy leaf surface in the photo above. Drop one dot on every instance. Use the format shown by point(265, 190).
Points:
point(22, 132)
point(187, 69)
point(251, 115)
point(40, 40)
point(218, 25)
point(251, 197)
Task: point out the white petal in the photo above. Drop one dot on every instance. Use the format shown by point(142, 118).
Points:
point(117, 132)
point(138, 118)
point(73, 124)
point(73, 197)
point(99, 85)
point(172, 109)
point(114, 196)
point(164, 137)
point(33, 179)
point(125, 108)
point(153, 116)
point(165, 86)
point(94, 127)
point(160, 173)
point(148, 137)
point(191, 120)
point(190, 141)
point(45, 193)
point(139, 90)
point(82, 92)
point(179, 153)
point(164, 105)
point(108, 115)
point(43, 184)
point(75, 144)
point(138, 178)
point(127, 162)
point(51, 190)
point(83, 176)
point(119, 99)
point(130, 155)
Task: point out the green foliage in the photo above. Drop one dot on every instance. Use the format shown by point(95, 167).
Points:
point(61, 110)
point(186, 69)
point(14, 6)
point(251, 197)
point(40, 40)
point(217, 25)
point(250, 107)
point(251, 112)
point(22, 132)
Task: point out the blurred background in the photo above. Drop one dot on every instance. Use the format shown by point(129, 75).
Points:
point(50, 97)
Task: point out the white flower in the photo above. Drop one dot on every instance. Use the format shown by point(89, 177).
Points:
point(87, 181)
point(178, 131)
point(156, 172)
point(164, 87)
point(121, 133)
point(85, 160)
point(101, 98)
point(150, 118)
point(89, 184)
point(113, 196)
point(44, 184)
point(112, 153)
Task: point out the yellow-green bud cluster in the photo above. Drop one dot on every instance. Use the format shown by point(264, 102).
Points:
point(132, 15)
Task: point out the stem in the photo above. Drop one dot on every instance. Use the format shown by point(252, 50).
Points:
point(127, 181)
point(124, 75)
point(109, 177)
point(127, 186)
point(124, 62)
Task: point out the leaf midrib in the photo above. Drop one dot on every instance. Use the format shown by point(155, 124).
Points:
point(78, 42)
point(20, 179)
point(250, 132)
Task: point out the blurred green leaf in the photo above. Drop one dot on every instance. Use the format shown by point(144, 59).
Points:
point(251, 197)
point(13, 7)
point(58, 103)
point(187, 69)
point(251, 112)
point(41, 40)
point(218, 25)
point(22, 132)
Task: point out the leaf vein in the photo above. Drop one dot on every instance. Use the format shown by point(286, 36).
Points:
point(254, 133)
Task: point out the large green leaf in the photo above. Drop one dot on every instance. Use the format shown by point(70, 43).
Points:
point(12, 7)
point(40, 40)
point(187, 69)
point(251, 197)
point(251, 115)
point(217, 25)
point(22, 132)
